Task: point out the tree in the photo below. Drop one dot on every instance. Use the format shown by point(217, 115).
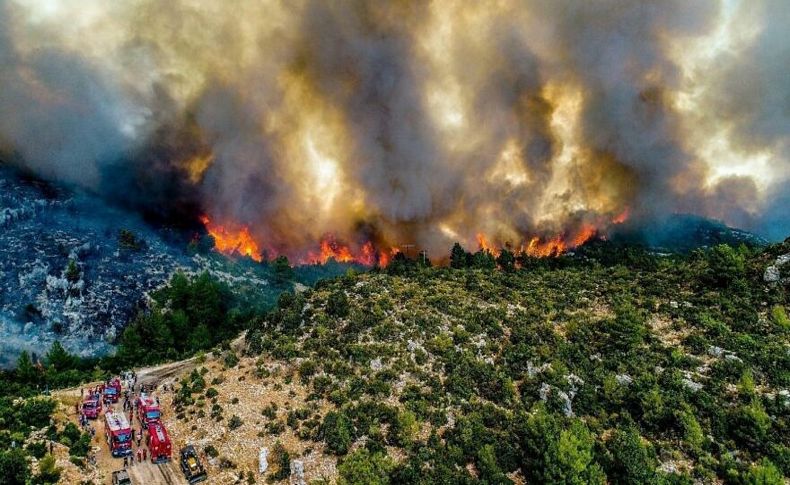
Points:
point(25, 370)
point(283, 460)
point(48, 471)
point(282, 269)
point(763, 473)
point(337, 304)
point(490, 471)
point(13, 467)
point(404, 428)
point(59, 358)
point(365, 468)
point(725, 264)
point(457, 257)
point(693, 435)
point(72, 271)
point(750, 423)
point(632, 462)
point(483, 259)
point(506, 260)
point(570, 458)
point(336, 432)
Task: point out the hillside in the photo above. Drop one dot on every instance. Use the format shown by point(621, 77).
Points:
point(566, 370)
point(673, 372)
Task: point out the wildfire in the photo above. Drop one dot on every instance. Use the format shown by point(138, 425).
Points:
point(236, 240)
point(538, 247)
point(484, 245)
point(366, 255)
point(331, 249)
point(231, 242)
point(622, 217)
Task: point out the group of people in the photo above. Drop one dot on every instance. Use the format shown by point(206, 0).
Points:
point(141, 454)
point(85, 424)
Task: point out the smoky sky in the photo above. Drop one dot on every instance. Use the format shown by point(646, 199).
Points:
point(413, 121)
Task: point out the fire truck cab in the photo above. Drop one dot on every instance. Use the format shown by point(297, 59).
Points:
point(158, 442)
point(91, 406)
point(148, 409)
point(112, 390)
point(118, 434)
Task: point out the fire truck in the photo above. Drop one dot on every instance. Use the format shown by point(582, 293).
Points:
point(112, 390)
point(158, 442)
point(148, 409)
point(91, 406)
point(118, 434)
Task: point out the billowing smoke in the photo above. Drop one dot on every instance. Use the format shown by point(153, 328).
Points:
point(418, 122)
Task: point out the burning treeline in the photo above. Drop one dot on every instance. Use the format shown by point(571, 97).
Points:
point(343, 129)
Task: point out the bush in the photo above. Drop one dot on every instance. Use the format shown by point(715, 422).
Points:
point(234, 422)
point(231, 360)
point(13, 467)
point(48, 472)
point(337, 305)
point(37, 449)
point(336, 432)
point(211, 451)
point(283, 460)
point(365, 468)
point(632, 462)
point(763, 473)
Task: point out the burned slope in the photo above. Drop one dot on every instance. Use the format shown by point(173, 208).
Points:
point(72, 268)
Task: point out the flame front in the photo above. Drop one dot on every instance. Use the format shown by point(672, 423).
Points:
point(232, 242)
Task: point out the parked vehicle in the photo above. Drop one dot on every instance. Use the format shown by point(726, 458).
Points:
point(148, 409)
point(121, 477)
point(158, 442)
point(91, 406)
point(112, 390)
point(191, 466)
point(118, 434)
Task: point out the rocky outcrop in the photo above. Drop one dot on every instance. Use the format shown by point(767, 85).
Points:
point(773, 273)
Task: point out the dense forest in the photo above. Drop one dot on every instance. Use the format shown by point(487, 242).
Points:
point(614, 364)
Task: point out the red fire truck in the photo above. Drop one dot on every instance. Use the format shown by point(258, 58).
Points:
point(91, 406)
point(158, 442)
point(118, 434)
point(112, 390)
point(148, 409)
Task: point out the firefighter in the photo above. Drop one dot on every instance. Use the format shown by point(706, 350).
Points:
point(125, 461)
point(139, 455)
point(145, 454)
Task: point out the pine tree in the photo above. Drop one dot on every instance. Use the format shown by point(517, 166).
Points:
point(457, 257)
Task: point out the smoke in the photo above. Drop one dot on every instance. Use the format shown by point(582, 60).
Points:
point(405, 122)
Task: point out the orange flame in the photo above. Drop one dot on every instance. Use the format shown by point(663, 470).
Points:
point(544, 249)
point(622, 217)
point(484, 245)
point(586, 233)
point(231, 242)
point(331, 249)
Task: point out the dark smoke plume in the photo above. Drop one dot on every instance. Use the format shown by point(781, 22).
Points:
point(410, 121)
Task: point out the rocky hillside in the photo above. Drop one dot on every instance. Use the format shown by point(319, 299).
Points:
point(76, 270)
point(671, 371)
